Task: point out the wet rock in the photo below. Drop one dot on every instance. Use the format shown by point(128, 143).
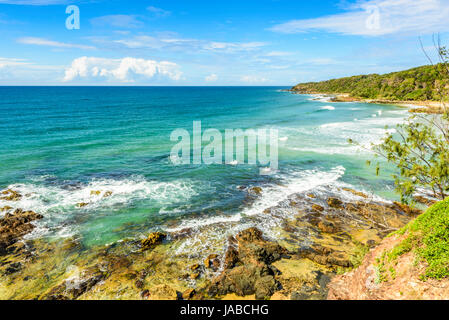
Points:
point(95, 193)
point(356, 193)
point(13, 268)
point(76, 286)
point(107, 194)
point(153, 239)
point(335, 203)
point(317, 207)
point(6, 208)
point(13, 226)
point(311, 195)
point(327, 227)
point(10, 195)
point(82, 204)
point(255, 191)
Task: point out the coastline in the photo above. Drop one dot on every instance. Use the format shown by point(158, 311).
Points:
point(429, 107)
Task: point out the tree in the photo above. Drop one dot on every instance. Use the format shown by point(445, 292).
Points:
point(420, 147)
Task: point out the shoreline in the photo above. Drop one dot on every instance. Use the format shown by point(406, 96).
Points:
point(429, 107)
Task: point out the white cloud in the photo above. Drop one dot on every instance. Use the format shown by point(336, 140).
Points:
point(158, 12)
point(278, 54)
point(51, 43)
point(378, 17)
point(118, 21)
point(253, 79)
point(144, 41)
point(123, 70)
point(211, 78)
point(11, 62)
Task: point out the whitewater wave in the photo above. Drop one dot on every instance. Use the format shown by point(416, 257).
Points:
point(292, 182)
point(330, 108)
point(58, 203)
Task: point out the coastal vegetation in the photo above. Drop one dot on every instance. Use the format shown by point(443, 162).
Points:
point(425, 83)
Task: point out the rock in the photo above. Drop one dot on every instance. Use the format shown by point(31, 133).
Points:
point(194, 275)
point(188, 294)
point(213, 258)
point(82, 204)
point(6, 208)
point(335, 203)
point(13, 226)
point(10, 195)
point(153, 239)
point(107, 194)
point(256, 191)
point(95, 193)
point(317, 207)
point(311, 195)
point(248, 270)
point(356, 193)
point(145, 294)
point(162, 292)
point(139, 284)
point(72, 288)
point(231, 258)
point(249, 235)
point(327, 227)
point(194, 267)
point(265, 287)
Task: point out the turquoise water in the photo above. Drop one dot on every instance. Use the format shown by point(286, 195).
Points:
point(61, 143)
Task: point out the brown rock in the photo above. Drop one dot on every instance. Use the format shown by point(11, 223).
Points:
point(317, 207)
point(153, 239)
point(82, 204)
point(335, 203)
point(10, 195)
point(107, 194)
point(188, 294)
point(194, 267)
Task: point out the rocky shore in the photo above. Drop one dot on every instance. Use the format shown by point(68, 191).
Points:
point(324, 234)
point(428, 107)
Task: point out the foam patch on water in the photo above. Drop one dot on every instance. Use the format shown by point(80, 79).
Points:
point(330, 108)
point(333, 137)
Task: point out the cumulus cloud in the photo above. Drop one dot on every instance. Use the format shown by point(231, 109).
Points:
point(211, 78)
point(378, 17)
point(50, 43)
point(123, 70)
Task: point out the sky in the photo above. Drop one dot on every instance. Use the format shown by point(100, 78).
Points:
point(212, 43)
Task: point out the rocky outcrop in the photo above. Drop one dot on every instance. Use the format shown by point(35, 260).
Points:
point(153, 239)
point(248, 267)
point(13, 226)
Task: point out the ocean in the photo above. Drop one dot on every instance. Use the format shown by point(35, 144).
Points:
point(60, 145)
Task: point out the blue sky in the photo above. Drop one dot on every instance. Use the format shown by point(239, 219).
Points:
point(196, 42)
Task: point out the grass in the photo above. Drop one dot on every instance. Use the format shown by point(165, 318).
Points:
point(428, 238)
